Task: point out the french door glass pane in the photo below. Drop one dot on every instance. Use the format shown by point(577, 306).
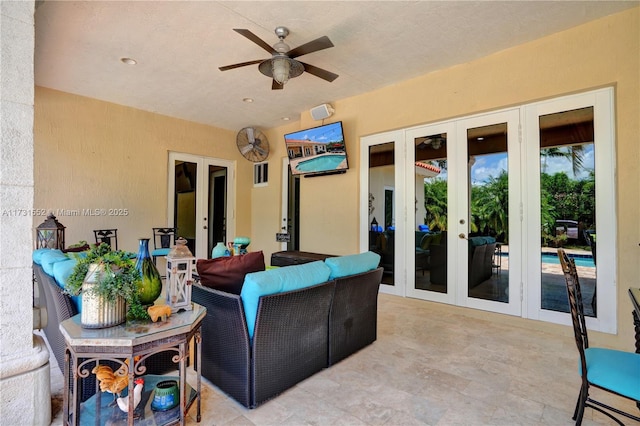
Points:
point(431, 213)
point(382, 207)
point(185, 201)
point(217, 207)
point(567, 200)
point(488, 229)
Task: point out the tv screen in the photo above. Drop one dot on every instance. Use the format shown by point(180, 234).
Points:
point(317, 151)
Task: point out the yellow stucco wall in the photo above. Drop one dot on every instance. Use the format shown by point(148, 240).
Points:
point(97, 155)
point(73, 135)
point(602, 53)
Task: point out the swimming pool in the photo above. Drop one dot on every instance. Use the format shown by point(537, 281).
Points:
point(326, 162)
point(580, 259)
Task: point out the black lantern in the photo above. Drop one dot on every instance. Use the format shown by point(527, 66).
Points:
point(50, 234)
point(374, 224)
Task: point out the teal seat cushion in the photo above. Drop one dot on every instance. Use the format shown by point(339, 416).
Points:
point(352, 264)
point(614, 370)
point(48, 259)
point(477, 241)
point(161, 252)
point(263, 283)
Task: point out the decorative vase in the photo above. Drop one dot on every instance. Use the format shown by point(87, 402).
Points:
point(219, 250)
point(97, 310)
point(150, 287)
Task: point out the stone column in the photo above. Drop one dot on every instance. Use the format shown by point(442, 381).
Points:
point(25, 394)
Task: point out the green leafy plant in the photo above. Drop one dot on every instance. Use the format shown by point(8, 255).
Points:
point(120, 278)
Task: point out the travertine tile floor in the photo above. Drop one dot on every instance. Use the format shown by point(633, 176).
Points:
point(431, 365)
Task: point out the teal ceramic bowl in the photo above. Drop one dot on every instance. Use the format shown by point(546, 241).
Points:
point(166, 396)
point(243, 241)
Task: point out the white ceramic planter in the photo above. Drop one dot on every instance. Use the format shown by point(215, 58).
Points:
point(97, 312)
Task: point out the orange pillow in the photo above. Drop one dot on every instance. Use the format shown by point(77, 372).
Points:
point(227, 273)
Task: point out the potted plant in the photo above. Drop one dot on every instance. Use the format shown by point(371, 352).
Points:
point(108, 282)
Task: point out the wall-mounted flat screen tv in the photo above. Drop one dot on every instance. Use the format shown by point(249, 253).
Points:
point(317, 151)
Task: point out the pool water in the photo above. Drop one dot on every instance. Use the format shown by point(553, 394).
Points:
point(580, 261)
point(326, 162)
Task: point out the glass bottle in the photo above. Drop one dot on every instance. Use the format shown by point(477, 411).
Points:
point(150, 287)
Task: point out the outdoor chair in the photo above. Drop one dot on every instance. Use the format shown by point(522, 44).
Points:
point(163, 240)
point(107, 236)
point(614, 371)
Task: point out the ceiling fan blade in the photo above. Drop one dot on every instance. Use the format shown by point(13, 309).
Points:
point(276, 86)
point(241, 64)
point(319, 72)
point(313, 46)
point(254, 38)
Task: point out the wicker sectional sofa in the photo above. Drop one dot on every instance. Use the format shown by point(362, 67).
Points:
point(296, 333)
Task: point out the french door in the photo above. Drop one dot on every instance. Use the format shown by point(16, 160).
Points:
point(465, 211)
point(455, 253)
point(201, 200)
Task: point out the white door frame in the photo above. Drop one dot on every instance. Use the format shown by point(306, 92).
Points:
point(202, 191)
point(399, 287)
point(524, 217)
point(602, 101)
point(460, 182)
point(284, 201)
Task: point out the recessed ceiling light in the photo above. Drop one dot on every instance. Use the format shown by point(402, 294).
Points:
point(480, 138)
point(247, 100)
point(128, 61)
point(285, 118)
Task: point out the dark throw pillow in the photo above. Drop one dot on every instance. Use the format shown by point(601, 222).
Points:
point(227, 273)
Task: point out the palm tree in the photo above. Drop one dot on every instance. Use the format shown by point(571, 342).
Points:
point(574, 153)
point(490, 203)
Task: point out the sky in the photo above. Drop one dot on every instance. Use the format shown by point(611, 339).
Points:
point(487, 166)
point(328, 133)
point(491, 165)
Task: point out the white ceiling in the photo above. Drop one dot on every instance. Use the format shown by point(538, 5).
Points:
point(179, 46)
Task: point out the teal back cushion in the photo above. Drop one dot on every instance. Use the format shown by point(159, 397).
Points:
point(37, 255)
point(352, 264)
point(61, 272)
point(263, 283)
point(48, 259)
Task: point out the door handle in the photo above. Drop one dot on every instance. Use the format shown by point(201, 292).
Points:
point(204, 227)
point(461, 236)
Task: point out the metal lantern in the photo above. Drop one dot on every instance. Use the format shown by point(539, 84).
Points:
point(180, 263)
point(50, 234)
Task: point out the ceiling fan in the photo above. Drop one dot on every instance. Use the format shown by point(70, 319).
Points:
point(282, 65)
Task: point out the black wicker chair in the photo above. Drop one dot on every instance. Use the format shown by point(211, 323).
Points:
point(614, 371)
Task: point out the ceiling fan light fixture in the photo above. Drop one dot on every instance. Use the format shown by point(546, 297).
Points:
point(280, 69)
